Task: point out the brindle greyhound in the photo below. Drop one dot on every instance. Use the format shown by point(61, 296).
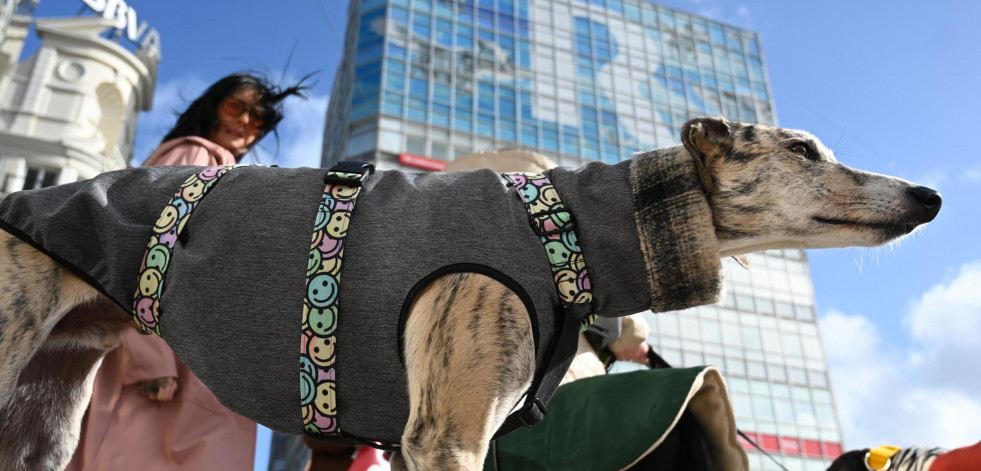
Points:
point(470, 342)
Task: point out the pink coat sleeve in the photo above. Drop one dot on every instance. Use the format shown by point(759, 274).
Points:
point(146, 357)
point(186, 153)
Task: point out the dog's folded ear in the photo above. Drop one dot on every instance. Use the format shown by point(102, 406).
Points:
point(707, 140)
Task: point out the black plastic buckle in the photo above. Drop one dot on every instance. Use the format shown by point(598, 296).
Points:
point(348, 172)
point(533, 412)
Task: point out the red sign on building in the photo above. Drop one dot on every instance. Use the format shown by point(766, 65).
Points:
point(418, 161)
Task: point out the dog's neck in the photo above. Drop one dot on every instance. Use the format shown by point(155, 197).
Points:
point(677, 235)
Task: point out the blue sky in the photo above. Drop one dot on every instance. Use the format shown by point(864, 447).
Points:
point(890, 86)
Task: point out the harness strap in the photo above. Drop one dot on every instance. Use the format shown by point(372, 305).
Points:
point(156, 259)
point(318, 376)
point(555, 225)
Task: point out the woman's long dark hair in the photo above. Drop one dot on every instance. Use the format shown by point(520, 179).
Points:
point(201, 116)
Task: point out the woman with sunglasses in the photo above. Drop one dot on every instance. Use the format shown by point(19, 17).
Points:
point(148, 411)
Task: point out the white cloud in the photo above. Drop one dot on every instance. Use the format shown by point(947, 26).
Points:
point(920, 393)
point(300, 132)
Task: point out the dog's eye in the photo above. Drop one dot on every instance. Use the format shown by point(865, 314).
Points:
point(803, 151)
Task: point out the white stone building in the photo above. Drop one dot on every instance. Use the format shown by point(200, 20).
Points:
point(69, 111)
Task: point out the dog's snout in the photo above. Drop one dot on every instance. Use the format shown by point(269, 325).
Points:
point(928, 199)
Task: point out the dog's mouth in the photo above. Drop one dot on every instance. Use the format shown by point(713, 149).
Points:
point(892, 229)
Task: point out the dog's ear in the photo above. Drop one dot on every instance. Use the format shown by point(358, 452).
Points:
point(707, 140)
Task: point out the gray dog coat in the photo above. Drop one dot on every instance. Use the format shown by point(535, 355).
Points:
point(237, 277)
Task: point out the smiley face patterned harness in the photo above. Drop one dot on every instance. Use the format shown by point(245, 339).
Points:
point(548, 217)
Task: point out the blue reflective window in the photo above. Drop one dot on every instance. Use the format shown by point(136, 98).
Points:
point(550, 139)
point(399, 16)
point(590, 148)
point(717, 36)
point(485, 97)
point(617, 6)
point(392, 104)
point(364, 107)
point(420, 27)
point(396, 51)
point(505, 23)
point(529, 135)
point(463, 120)
point(444, 9)
point(523, 29)
point(524, 54)
point(582, 26)
point(507, 45)
point(649, 16)
point(465, 15)
point(753, 46)
point(485, 18)
point(506, 6)
point(422, 6)
point(464, 36)
point(526, 104)
point(419, 88)
point(506, 108)
point(485, 125)
point(444, 33)
point(403, 3)
point(441, 115)
point(367, 85)
point(583, 46)
point(395, 76)
point(485, 3)
point(759, 91)
point(372, 26)
point(507, 130)
point(611, 154)
point(441, 91)
point(369, 52)
point(633, 13)
point(570, 143)
point(486, 35)
point(601, 3)
point(506, 93)
point(417, 110)
point(464, 99)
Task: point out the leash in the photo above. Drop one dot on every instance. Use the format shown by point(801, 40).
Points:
point(656, 361)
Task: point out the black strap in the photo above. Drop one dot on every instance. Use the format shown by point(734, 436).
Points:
point(543, 386)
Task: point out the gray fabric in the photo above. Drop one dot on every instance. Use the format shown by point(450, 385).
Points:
point(234, 290)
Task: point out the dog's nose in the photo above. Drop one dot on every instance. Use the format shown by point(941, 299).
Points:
point(929, 200)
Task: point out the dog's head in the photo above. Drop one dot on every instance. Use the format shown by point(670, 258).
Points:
point(780, 188)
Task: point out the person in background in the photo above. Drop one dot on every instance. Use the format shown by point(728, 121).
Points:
point(148, 411)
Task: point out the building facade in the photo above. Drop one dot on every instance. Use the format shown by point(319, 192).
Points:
point(597, 80)
point(69, 111)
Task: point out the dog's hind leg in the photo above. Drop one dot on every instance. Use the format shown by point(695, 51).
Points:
point(470, 356)
point(54, 331)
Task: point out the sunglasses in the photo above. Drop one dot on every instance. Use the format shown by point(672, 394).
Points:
point(236, 107)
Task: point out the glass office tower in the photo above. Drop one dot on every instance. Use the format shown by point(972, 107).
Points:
point(599, 80)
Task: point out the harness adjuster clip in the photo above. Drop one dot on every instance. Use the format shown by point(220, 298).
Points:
point(538, 220)
point(348, 172)
point(533, 412)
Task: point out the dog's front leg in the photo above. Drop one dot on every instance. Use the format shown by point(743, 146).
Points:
point(470, 356)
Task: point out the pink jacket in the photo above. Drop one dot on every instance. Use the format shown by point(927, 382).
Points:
point(124, 430)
